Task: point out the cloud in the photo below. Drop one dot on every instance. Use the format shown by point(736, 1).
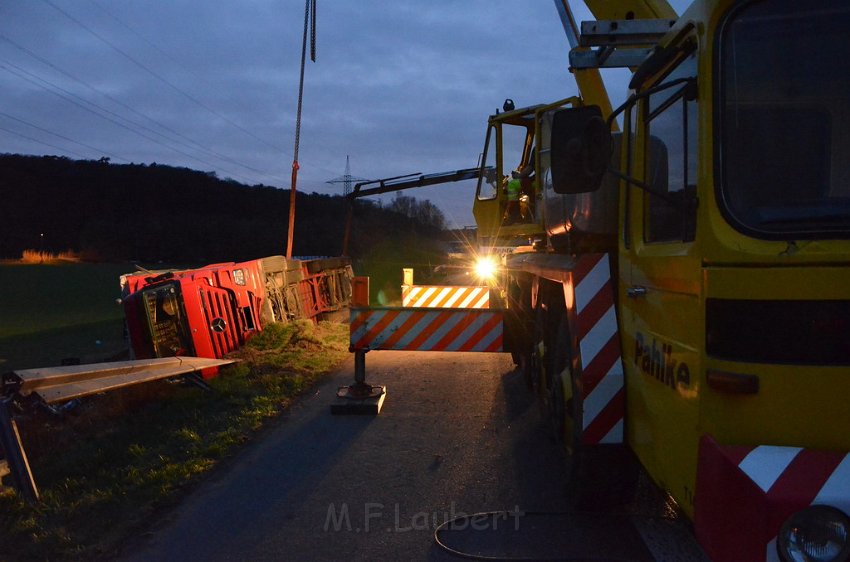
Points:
point(400, 86)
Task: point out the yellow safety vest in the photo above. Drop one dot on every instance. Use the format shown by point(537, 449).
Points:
point(514, 188)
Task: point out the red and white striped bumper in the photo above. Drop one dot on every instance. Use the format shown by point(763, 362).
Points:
point(744, 494)
point(415, 329)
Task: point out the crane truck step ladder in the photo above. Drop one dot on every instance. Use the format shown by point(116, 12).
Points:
point(413, 328)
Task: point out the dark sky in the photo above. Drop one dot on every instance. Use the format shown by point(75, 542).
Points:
point(400, 86)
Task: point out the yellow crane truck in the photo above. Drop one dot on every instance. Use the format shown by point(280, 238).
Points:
point(683, 286)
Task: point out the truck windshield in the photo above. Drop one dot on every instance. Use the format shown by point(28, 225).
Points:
point(168, 328)
point(785, 119)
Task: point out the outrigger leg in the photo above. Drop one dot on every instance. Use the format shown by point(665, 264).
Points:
point(361, 397)
point(16, 457)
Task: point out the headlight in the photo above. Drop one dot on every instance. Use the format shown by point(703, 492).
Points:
point(485, 267)
point(816, 534)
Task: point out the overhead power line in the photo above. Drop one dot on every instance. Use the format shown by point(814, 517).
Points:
point(151, 44)
point(42, 129)
point(66, 95)
point(160, 78)
point(59, 148)
point(192, 144)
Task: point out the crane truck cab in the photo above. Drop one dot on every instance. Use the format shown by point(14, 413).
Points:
point(731, 273)
point(507, 206)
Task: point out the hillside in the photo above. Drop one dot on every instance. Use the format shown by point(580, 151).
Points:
point(109, 212)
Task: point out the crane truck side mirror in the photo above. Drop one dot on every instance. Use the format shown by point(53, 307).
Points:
point(581, 149)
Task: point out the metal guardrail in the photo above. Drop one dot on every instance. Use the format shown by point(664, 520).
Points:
point(53, 385)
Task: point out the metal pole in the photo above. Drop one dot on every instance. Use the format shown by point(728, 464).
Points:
point(360, 367)
point(568, 21)
point(13, 448)
point(291, 230)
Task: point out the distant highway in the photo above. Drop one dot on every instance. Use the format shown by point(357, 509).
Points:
point(459, 434)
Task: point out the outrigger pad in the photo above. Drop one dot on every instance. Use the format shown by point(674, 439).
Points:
point(362, 400)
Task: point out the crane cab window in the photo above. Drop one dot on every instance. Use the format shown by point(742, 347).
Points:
point(516, 147)
point(488, 179)
point(507, 149)
point(670, 141)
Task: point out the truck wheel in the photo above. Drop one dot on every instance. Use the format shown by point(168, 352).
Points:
point(563, 396)
point(538, 369)
point(598, 476)
point(530, 357)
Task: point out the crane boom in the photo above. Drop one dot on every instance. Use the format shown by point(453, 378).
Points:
point(398, 183)
point(408, 181)
point(589, 81)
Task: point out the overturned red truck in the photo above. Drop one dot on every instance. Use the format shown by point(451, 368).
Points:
point(213, 310)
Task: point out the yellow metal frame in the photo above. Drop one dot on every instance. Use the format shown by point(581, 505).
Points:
point(794, 406)
point(488, 212)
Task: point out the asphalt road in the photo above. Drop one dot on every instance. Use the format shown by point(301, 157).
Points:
point(459, 434)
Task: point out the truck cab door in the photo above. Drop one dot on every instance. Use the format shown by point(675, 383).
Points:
point(660, 279)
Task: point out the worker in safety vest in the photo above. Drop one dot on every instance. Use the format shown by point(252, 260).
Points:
point(513, 188)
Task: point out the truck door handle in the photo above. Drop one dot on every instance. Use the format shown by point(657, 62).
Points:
point(636, 291)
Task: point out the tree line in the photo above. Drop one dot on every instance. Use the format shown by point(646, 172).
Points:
point(116, 212)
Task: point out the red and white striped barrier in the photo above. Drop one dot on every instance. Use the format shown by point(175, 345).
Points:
point(744, 494)
point(426, 329)
point(437, 296)
point(599, 344)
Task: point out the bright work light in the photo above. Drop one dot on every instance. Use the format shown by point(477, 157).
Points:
point(485, 267)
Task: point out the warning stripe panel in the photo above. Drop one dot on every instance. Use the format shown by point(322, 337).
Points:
point(439, 296)
point(426, 329)
point(586, 264)
point(745, 493)
point(798, 474)
point(803, 479)
point(601, 360)
point(606, 425)
point(435, 326)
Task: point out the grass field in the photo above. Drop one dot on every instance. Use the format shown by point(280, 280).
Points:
point(49, 312)
point(108, 467)
point(41, 297)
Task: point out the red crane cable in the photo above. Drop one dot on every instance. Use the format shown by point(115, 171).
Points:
point(309, 17)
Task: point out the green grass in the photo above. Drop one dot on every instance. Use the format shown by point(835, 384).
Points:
point(43, 297)
point(117, 459)
point(49, 312)
point(384, 269)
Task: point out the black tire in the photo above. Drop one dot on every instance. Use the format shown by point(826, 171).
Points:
point(557, 412)
point(563, 411)
point(564, 419)
point(540, 360)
